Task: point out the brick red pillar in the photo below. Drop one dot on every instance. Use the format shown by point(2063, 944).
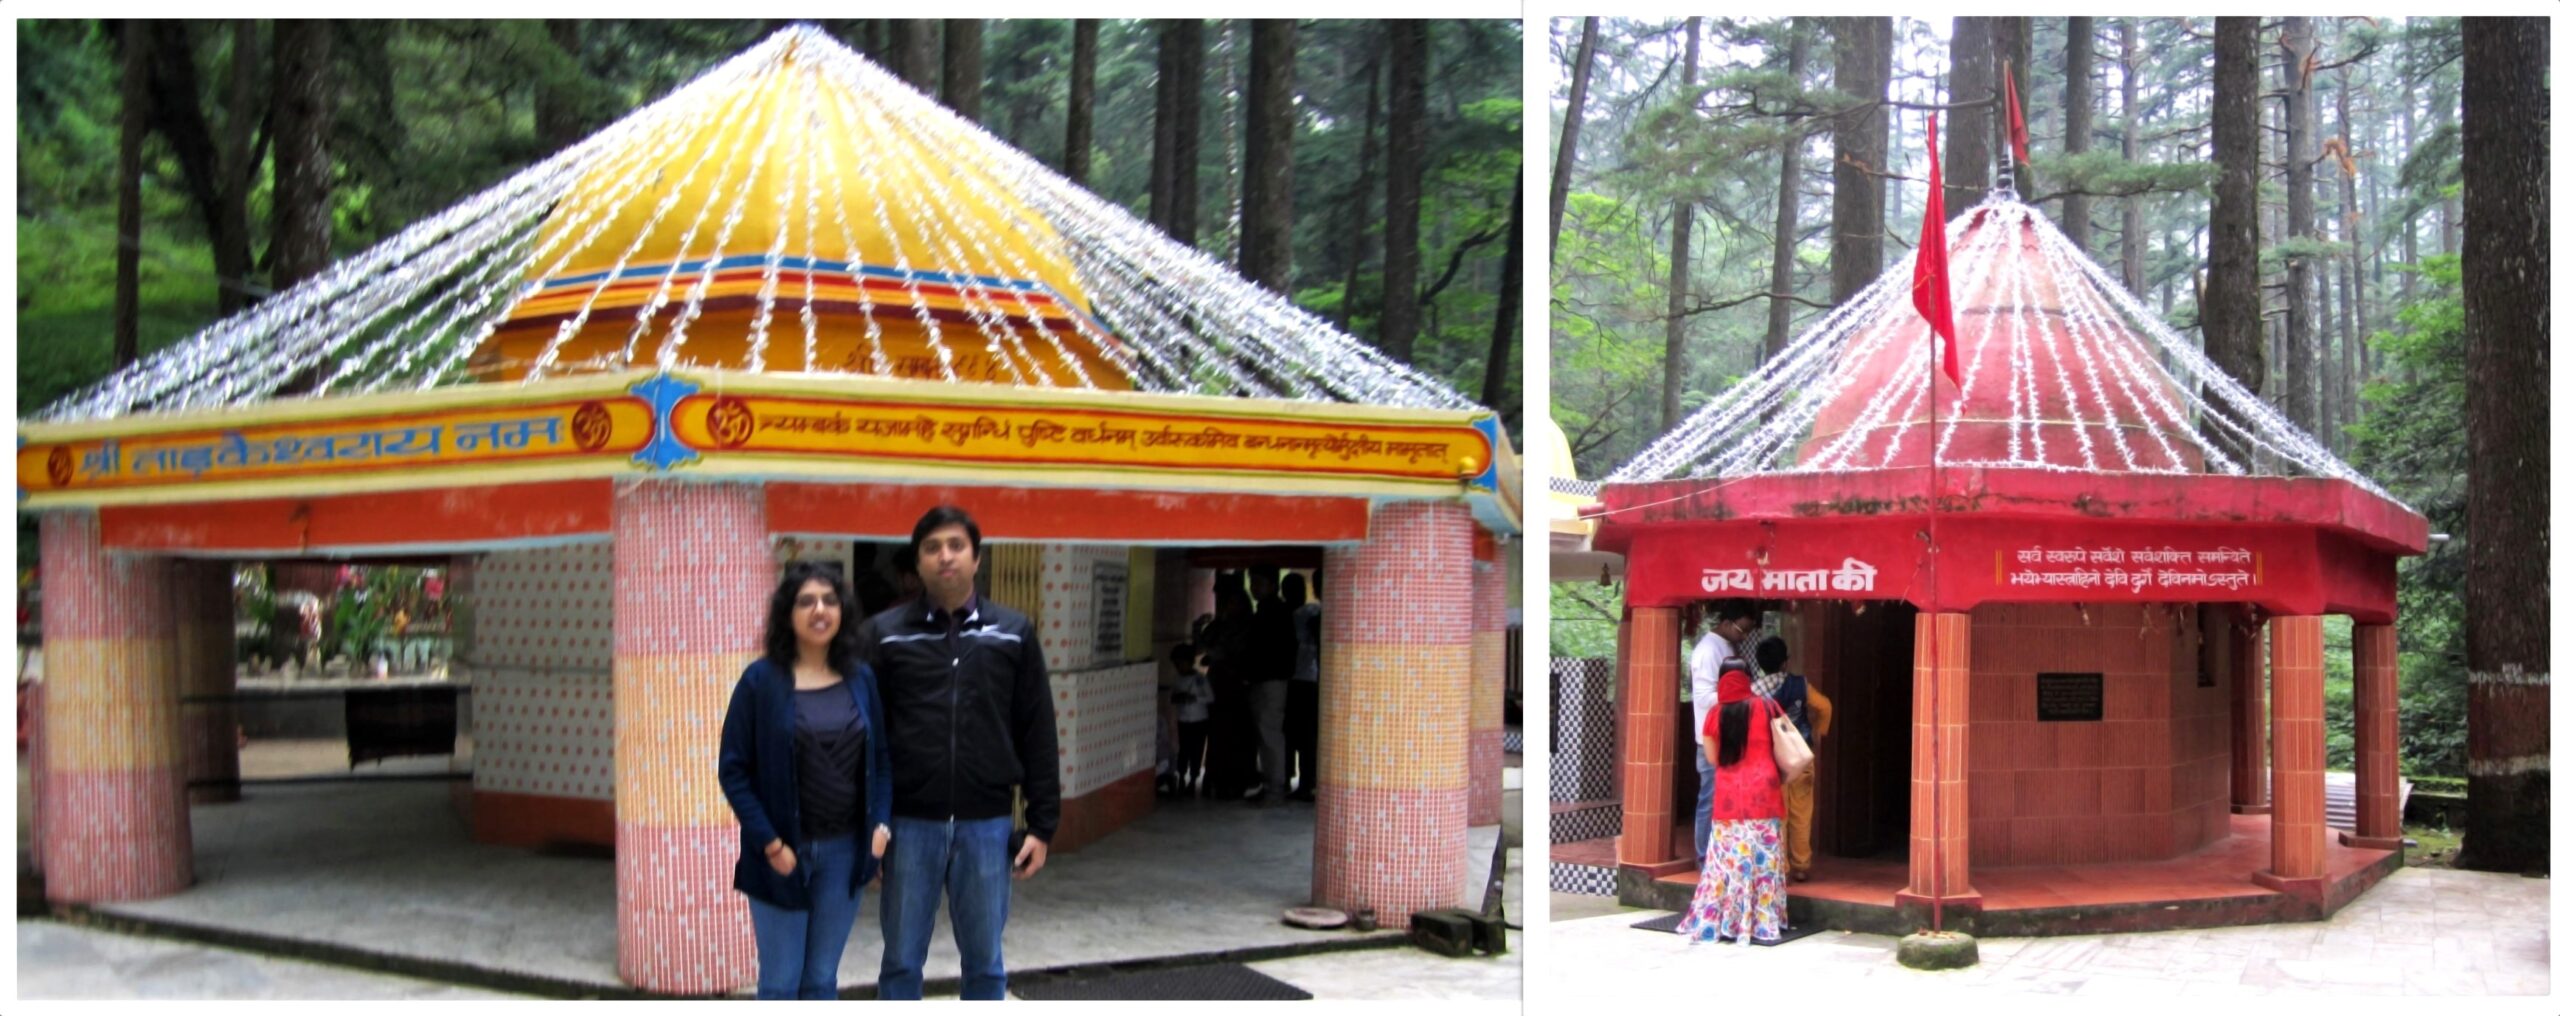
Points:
point(1484, 700)
point(2377, 708)
point(692, 571)
point(1941, 710)
point(114, 784)
point(1391, 814)
point(2299, 748)
point(2248, 718)
point(1649, 655)
point(208, 675)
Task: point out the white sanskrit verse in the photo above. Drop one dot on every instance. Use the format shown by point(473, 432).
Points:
point(1853, 576)
point(2224, 568)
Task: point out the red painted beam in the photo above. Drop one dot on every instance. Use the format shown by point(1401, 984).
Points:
point(1021, 513)
point(460, 515)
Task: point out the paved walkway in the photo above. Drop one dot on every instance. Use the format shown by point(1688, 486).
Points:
point(59, 961)
point(386, 869)
point(2422, 931)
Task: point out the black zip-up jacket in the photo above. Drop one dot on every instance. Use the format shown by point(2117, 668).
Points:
point(967, 713)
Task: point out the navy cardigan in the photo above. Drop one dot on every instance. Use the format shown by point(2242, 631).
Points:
point(762, 783)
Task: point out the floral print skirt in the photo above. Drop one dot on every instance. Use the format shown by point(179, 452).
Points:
point(1742, 891)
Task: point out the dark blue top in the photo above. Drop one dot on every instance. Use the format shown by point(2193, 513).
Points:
point(758, 773)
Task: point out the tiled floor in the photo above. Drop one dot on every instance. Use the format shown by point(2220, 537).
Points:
point(2421, 931)
point(2217, 871)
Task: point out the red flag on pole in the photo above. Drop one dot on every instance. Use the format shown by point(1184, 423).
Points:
point(2017, 117)
point(1929, 292)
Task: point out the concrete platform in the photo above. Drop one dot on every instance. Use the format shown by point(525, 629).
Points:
point(384, 876)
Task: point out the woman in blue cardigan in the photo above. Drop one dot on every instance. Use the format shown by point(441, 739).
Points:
point(804, 764)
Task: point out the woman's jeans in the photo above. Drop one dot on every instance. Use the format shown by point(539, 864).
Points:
point(928, 858)
point(797, 951)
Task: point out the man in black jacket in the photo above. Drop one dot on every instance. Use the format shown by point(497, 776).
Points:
point(966, 699)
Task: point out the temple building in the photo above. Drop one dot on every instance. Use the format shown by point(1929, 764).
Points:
point(2065, 590)
point(777, 314)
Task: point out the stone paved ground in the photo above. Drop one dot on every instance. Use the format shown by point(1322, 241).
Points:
point(2420, 932)
point(59, 961)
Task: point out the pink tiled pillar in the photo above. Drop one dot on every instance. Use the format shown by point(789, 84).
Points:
point(2249, 719)
point(1649, 696)
point(1941, 711)
point(1484, 703)
point(208, 675)
point(692, 571)
point(1391, 817)
point(2377, 706)
point(114, 790)
point(2300, 752)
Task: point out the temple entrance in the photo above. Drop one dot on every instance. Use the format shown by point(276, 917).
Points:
point(1862, 660)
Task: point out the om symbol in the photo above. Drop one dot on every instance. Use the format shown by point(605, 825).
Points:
point(731, 422)
point(592, 427)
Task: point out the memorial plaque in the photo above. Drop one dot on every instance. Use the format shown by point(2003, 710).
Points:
point(1110, 606)
point(2071, 697)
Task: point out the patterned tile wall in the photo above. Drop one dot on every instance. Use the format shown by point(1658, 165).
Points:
point(1106, 725)
point(542, 684)
point(1583, 754)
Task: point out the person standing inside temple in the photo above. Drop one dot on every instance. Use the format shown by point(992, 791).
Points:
point(1810, 711)
point(1226, 645)
point(966, 696)
point(1274, 666)
point(1731, 621)
point(1301, 724)
point(803, 765)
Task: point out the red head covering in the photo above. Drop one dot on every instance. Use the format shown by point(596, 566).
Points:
point(1734, 686)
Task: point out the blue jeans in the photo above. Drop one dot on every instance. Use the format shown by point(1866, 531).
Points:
point(798, 951)
point(1706, 806)
point(927, 858)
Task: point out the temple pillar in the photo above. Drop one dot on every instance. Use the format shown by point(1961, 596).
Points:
point(1649, 693)
point(208, 677)
point(2248, 718)
point(1941, 860)
point(2377, 711)
point(2299, 854)
point(114, 774)
point(1391, 817)
point(693, 571)
point(1484, 701)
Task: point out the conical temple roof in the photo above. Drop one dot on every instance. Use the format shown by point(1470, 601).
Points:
point(2059, 369)
point(795, 209)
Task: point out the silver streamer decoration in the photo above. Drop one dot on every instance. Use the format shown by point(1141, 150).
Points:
point(410, 312)
point(2125, 357)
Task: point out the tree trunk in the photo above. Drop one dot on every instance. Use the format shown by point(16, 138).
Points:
point(1355, 239)
point(1174, 195)
point(1865, 48)
point(1558, 193)
point(2300, 147)
point(558, 114)
point(1400, 315)
point(1675, 326)
point(1506, 310)
point(964, 54)
point(2230, 304)
point(2078, 100)
point(2324, 348)
point(2350, 405)
point(302, 229)
point(133, 125)
point(176, 116)
point(1270, 134)
point(1078, 162)
point(911, 52)
point(2506, 306)
point(1976, 79)
point(1782, 249)
point(2132, 242)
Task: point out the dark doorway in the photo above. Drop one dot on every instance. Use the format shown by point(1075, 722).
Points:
point(1862, 660)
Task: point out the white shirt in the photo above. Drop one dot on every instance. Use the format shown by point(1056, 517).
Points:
point(1711, 650)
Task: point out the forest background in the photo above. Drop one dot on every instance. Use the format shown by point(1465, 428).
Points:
point(1707, 208)
point(1380, 172)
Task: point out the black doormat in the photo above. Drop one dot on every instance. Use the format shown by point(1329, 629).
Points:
point(1217, 982)
point(1670, 923)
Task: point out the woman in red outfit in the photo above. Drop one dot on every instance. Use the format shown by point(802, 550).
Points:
point(1742, 890)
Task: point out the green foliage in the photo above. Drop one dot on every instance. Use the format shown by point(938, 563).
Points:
point(1582, 618)
point(2412, 440)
